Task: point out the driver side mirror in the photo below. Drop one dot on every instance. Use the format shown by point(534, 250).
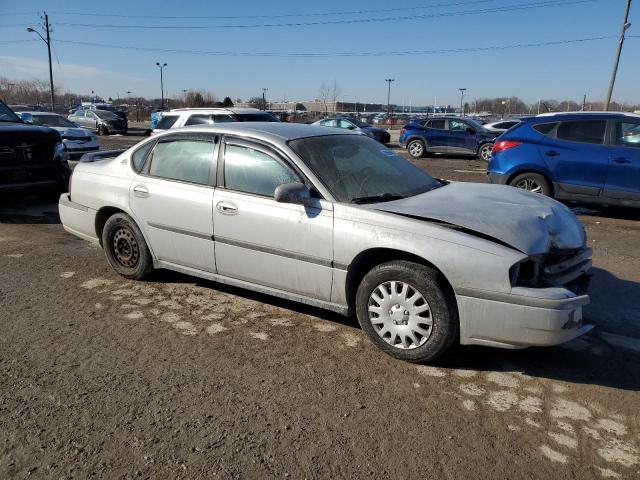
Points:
point(26, 117)
point(471, 131)
point(295, 192)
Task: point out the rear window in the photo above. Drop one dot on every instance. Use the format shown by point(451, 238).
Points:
point(545, 128)
point(166, 122)
point(586, 131)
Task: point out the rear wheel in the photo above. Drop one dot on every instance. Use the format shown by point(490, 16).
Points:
point(125, 247)
point(416, 148)
point(484, 152)
point(405, 311)
point(533, 182)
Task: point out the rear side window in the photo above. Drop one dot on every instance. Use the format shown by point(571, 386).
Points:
point(545, 128)
point(140, 155)
point(628, 134)
point(585, 131)
point(438, 124)
point(256, 117)
point(199, 119)
point(252, 171)
point(184, 160)
point(166, 122)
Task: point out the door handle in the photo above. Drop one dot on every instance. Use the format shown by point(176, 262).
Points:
point(551, 153)
point(227, 208)
point(140, 191)
point(621, 160)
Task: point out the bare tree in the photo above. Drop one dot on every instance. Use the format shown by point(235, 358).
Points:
point(324, 93)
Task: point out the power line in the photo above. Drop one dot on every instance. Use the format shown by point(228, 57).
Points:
point(343, 54)
point(526, 6)
point(282, 15)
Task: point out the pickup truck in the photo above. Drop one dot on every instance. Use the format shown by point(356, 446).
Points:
point(31, 157)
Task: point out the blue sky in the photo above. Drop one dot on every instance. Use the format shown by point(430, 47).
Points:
point(561, 71)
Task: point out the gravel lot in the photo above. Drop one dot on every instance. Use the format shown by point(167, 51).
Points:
point(182, 378)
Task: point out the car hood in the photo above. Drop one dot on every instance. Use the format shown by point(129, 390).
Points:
point(526, 221)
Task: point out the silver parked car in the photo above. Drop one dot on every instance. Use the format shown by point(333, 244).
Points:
point(332, 218)
point(77, 141)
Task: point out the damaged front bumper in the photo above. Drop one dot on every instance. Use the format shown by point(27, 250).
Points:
point(522, 318)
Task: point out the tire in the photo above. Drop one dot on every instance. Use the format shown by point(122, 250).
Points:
point(484, 152)
point(533, 182)
point(416, 148)
point(102, 130)
point(428, 341)
point(132, 258)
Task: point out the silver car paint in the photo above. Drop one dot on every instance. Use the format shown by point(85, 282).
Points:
point(304, 253)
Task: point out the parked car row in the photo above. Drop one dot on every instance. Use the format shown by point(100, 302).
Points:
point(184, 117)
point(352, 123)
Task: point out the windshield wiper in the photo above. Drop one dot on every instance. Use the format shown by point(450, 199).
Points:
point(383, 197)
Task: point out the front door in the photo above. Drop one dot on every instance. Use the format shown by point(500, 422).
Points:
point(172, 199)
point(284, 246)
point(461, 139)
point(623, 176)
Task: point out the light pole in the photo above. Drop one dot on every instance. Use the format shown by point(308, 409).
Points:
point(161, 67)
point(625, 26)
point(264, 100)
point(47, 41)
point(389, 80)
point(462, 90)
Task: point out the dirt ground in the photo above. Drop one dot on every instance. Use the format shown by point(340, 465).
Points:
point(181, 378)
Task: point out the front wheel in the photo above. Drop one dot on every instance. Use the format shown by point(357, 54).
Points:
point(416, 148)
point(533, 182)
point(102, 130)
point(125, 247)
point(404, 309)
point(484, 152)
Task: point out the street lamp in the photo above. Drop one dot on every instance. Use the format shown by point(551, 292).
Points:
point(389, 80)
point(161, 67)
point(462, 90)
point(47, 42)
point(264, 100)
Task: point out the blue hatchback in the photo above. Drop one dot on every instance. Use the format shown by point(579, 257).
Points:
point(585, 157)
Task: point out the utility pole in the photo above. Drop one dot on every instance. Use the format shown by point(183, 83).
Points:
point(625, 26)
point(539, 105)
point(462, 90)
point(584, 102)
point(48, 43)
point(389, 80)
point(264, 100)
point(161, 67)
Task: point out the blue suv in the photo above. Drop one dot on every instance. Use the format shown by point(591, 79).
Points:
point(585, 157)
point(453, 135)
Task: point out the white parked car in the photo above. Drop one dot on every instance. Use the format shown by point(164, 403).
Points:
point(333, 219)
point(76, 141)
point(184, 117)
point(501, 126)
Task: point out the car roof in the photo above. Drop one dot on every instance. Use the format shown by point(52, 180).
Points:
point(217, 110)
point(37, 112)
point(278, 132)
point(587, 114)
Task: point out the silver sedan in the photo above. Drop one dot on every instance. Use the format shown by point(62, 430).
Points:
point(334, 219)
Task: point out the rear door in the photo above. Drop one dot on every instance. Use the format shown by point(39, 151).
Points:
point(172, 199)
point(437, 135)
point(623, 176)
point(578, 156)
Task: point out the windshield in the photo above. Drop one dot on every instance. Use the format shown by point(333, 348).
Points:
point(355, 168)
point(6, 115)
point(52, 121)
point(106, 115)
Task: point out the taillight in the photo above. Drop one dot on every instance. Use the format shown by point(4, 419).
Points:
point(503, 145)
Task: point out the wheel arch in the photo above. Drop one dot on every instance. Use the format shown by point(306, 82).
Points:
point(366, 260)
point(413, 137)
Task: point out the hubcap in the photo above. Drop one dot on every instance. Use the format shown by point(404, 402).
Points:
point(485, 153)
point(529, 184)
point(125, 248)
point(400, 315)
point(415, 149)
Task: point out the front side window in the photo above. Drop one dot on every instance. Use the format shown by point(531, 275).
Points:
point(628, 134)
point(184, 160)
point(346, 124)
point(166, 122)
point(585, 131)
point(251, 171)
point(357, 169)
point(329, 123)
point(457, 125)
